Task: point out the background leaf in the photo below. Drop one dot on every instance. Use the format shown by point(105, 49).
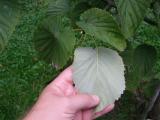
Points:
point(99, 71)
point(78, 9)
point(144, 59)
point(150, 87)
point(131, 14)
point(58, 7)
point(54, 41)
point(156, 9)
point(101, 24)
point(9, 16)
point(140, 65)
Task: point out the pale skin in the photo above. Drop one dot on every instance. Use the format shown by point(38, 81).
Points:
point(61, 101)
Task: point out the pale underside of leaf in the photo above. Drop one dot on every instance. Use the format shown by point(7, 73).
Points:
point(99, 71)
point(100, 24)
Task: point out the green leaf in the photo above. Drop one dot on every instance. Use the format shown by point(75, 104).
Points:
point(58, 7)
point(157, 76)
point(9, 17)
point(101, 24)
point(139, 65)
point(131, 80)
point(144, 58)
point(131, 13)
point(78, 9)
point(99, 71)
point(97, 3)
point(156, 9)
point(132, 84)
point(150, 87)
point(54, 41)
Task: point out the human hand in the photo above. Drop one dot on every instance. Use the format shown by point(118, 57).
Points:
point(61, 101)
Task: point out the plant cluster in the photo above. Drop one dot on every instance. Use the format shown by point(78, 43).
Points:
point(101, 23)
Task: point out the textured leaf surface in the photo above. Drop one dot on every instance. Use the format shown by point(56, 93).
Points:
point(156, 9)
point(54, 41)
point(58, 7)
point(140, 63)
point(101, 24)
point(99, 71)
point(9, 15)
point(131, 14)
point(144, 59)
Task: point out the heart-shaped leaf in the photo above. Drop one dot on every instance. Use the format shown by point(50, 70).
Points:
point(131, 14)
point(9, 16)
point(99, 71)
point(101, 24)
point(54, 41)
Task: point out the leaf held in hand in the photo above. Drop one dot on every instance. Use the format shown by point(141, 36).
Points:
point(99, 71)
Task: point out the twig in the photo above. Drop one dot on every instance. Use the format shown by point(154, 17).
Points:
point(151, 104)
point(77, 29)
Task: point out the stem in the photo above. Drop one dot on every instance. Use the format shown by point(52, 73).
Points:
point(95, 43)
point(82, 39)
point(151, 104)
point(77, 29)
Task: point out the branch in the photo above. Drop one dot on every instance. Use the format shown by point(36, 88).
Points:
point(151, 104)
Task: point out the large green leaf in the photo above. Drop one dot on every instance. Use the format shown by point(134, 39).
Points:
point(101, 24)
point(58, 7)
point(140, 62)
point(99, 71)
point(54, 41)
point(144, 58)
point(131, 14)
point(9, 16)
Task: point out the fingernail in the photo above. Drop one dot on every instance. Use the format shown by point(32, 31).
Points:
point(96, 98)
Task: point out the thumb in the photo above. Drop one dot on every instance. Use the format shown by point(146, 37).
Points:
point(83, 101)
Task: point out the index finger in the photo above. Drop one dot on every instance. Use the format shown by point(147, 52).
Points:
point(64, 77)
point(64, 82)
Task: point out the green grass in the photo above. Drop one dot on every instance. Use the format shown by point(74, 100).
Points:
point(23, 76)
